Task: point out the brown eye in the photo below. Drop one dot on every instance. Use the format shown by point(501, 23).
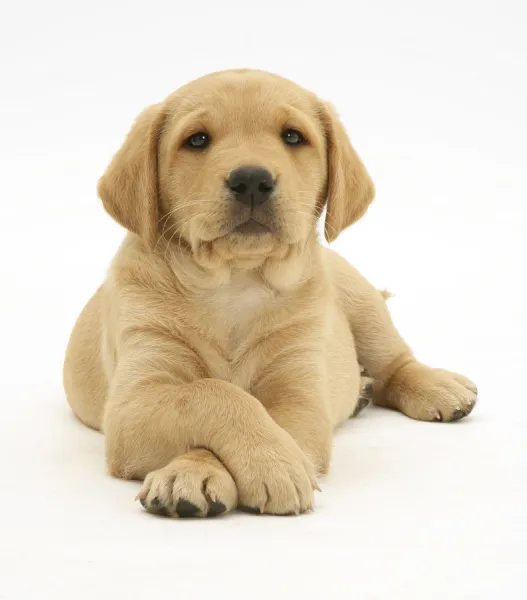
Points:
point(198, 141)
point(292, 137)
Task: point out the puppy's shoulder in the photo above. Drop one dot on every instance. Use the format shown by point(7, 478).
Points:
point(140, 288)
point(339, 270)
point(135, 268)
point(345, 277)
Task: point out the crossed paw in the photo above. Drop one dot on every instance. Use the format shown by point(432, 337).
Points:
point(275, 477)
point(189, 487)
point(278, 478)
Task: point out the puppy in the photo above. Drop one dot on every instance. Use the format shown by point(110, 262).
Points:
point(224, 346)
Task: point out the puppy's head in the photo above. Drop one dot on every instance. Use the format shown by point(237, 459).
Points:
point(240, 162)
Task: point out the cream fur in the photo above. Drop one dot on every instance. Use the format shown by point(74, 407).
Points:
point(218, 364)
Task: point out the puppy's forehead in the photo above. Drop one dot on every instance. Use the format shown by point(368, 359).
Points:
point(243, 94)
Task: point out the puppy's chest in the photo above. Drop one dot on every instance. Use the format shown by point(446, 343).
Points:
point(229, 324)
point(239, 331)
point(235, 311)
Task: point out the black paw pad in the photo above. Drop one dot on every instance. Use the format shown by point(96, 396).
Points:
point(253, 510)
point(216, 508)
point(367, 390)
point(457, 414)
point(185, 509)
point(361, 405)
point(156, 507)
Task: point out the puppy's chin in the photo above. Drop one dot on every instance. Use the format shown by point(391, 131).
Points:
point(247, 244)
point(244, 251)
point(206, 264)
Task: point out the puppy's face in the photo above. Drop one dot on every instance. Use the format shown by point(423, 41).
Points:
point(242, 159)
point(238, 163)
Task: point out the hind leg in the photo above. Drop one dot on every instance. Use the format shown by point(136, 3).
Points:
point(400, 381)
point(83, 376)
point(427, 394)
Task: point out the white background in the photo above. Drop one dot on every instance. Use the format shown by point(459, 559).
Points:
point(434, 97)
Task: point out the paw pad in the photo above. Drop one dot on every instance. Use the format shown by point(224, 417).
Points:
point(215, 509)
point(457, 414)
point(186, 509)
point(253, 510)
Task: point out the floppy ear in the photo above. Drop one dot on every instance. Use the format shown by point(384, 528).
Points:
point(129, 187)
point(350, 189)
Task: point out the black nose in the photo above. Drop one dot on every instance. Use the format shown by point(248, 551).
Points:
point(251, 185)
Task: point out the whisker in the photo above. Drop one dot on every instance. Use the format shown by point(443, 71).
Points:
point(186, 204)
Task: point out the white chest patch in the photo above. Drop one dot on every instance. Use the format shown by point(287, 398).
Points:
point(237, 305)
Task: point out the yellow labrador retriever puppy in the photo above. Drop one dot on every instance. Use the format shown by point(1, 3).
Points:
point(224, 346)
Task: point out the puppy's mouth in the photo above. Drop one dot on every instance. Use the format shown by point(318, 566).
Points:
point(252, 227)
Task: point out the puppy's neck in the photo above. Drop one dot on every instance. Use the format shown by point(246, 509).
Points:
point(211, 266)
point(233, 301)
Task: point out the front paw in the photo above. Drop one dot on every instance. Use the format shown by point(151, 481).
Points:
point(427, 394)
point(275, 477)
point(193, 485)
